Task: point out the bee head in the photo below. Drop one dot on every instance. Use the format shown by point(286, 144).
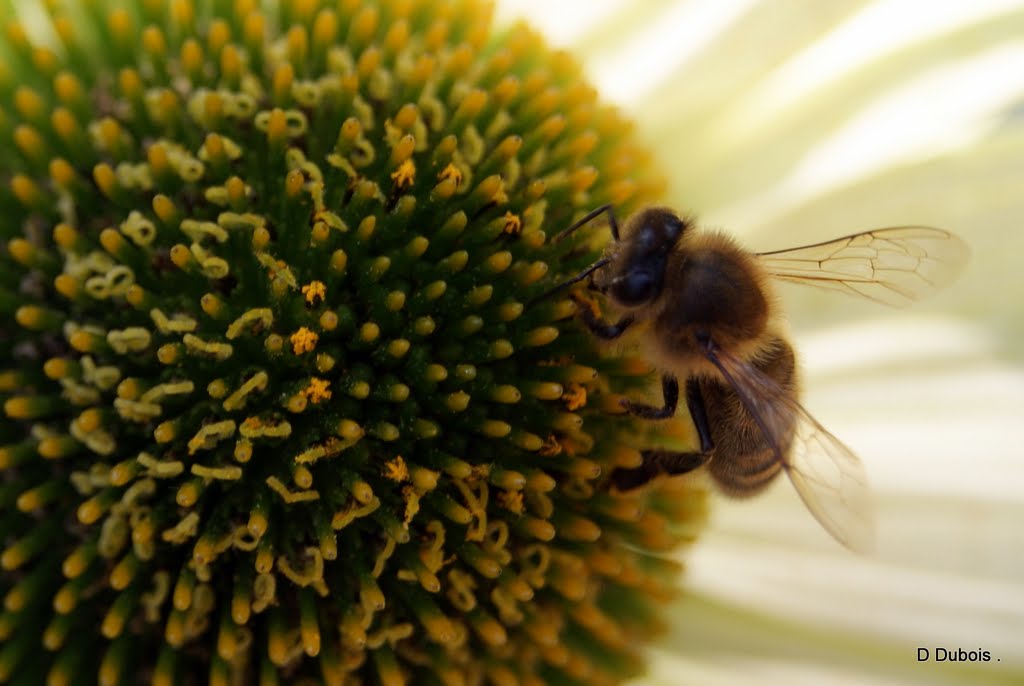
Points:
point(637, 270)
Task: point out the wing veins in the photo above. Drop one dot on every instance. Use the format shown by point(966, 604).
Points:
point(910, 262)
point(763, 398)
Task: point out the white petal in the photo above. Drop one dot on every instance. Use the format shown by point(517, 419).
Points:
point(875, 32)
point(640, 63)
point(560, 22)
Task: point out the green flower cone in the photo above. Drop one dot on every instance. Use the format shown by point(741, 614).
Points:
point(276, 407)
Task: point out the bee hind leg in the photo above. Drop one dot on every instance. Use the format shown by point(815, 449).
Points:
point(657, 462)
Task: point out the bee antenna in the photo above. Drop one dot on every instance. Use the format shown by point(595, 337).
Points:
point(576, 279)
point(586, 219)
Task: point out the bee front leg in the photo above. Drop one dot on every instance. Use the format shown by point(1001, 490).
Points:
point(598, 326)
point(669, 390)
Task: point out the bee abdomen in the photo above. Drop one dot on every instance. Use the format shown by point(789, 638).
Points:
point(744, 461)
point(744, 475)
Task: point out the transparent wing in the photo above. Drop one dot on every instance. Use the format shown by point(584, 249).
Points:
point(831, 481)
point(894, 266)
point(828, 475)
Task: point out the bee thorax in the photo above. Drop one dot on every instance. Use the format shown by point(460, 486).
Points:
point(717, 291)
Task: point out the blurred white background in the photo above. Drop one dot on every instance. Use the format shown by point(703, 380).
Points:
point(794, 121)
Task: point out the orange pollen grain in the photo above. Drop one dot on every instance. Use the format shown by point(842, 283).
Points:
point(303, 341)
point(511, 501)
point(575, 397)
point(551, 447)
point(313, 291)
point(451, 172)
point(513, 225)
point(317, 390)
point(396, 469)
point(405, 175)
point(569, 446)
point(252, 423)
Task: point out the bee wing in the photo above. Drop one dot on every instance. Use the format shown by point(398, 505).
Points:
point(828, 476)
point(894, 266)
point(832, 482)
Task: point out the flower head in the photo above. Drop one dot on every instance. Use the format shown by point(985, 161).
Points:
point(276, 402)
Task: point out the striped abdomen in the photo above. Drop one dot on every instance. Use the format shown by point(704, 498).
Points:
point(743, 462)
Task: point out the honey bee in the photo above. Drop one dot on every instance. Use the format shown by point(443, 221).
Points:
point(712, 322)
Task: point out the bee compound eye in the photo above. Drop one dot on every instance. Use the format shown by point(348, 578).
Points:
point(673, 229)
point(646, 240)
point(634, 288)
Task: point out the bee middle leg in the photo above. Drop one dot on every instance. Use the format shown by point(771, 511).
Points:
point(669, 390)
point(672, 462)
